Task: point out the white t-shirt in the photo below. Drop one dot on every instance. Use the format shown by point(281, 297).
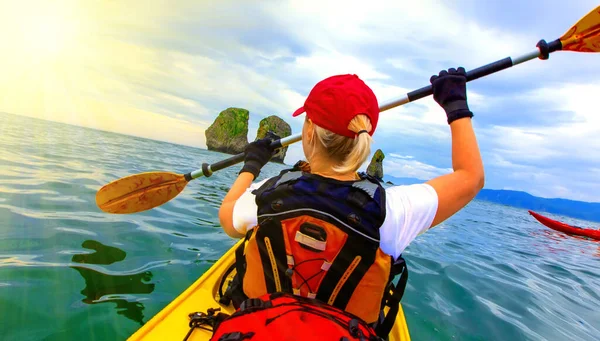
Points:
point(409, 212)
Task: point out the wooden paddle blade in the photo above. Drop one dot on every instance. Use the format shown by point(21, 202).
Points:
point(140, 192)
point(584, 36)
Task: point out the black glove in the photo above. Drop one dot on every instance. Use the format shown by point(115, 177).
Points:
point(258, 153)
point(450, 92)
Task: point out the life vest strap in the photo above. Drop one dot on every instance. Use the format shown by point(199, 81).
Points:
point(271, 244)
point(240, 264)
point(223, 298)
point(385, 325)
point(339, 283)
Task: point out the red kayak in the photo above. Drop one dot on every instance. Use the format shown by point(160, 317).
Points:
point(562, 227)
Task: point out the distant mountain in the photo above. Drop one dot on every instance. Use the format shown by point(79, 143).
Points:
point(402, 181)
point(570, 208)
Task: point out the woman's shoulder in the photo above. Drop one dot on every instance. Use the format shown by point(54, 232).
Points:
point(409, 194)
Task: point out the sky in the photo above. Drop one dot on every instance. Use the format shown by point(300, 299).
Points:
point(164, 70)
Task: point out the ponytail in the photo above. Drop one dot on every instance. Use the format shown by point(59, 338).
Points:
point(349, 153)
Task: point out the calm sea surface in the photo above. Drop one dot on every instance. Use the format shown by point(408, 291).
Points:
point(71, 272)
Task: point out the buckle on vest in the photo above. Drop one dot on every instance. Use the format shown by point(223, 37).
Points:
point(312, 237)
point(353, 328)
point(312, 243)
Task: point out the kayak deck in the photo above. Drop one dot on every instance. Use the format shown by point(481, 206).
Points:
point(171, 323)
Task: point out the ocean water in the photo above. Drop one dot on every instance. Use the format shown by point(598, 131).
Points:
point(71, 272)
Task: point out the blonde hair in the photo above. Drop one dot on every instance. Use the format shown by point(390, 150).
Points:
point(348, 153)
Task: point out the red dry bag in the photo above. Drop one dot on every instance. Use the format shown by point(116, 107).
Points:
point(282, 316)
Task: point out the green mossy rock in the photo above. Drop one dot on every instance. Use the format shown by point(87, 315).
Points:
point(279, 127)
point(229, 131)
point(375, 168)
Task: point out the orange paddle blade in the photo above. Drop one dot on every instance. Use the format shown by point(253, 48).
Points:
point(140, 192)
point(584, 36)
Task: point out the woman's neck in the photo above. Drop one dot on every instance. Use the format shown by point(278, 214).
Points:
point(324, 167)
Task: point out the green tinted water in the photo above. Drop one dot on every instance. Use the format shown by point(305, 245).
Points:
point(69, 271)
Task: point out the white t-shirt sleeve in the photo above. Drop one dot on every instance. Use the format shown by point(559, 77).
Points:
point(245, 209)
point(409, 212)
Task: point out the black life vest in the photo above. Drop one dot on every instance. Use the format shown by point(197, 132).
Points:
point(319, 238)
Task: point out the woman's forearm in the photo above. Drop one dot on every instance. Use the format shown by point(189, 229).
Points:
point(465, 151)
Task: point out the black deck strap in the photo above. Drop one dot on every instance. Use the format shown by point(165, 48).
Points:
point(542, 45)
point(393, 301)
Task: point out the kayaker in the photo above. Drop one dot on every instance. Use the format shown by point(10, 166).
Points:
point(321, 230)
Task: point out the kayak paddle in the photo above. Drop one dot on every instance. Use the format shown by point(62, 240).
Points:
point(140, 192)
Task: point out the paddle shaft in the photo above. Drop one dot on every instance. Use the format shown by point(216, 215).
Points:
point(542, 52)
point(482, 71)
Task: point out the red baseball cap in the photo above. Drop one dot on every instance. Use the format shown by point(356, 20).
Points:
point(336, 100)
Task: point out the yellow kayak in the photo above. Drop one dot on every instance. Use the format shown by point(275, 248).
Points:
point(171, 323)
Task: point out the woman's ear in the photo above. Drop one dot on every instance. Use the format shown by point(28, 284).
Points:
point(310, 131)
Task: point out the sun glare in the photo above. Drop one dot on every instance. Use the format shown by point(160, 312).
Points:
point(41, 45)
point(47, 36)
point(39, 31)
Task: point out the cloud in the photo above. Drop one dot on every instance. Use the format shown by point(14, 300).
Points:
point(573, 135)
point(398, 156)
point(179, 66)
point(551, 156)
point(408, 167)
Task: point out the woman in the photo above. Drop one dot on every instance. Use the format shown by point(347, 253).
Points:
point(323, 231)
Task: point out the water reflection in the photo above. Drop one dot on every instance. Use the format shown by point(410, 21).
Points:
point(102, 288)
point(556, 242)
